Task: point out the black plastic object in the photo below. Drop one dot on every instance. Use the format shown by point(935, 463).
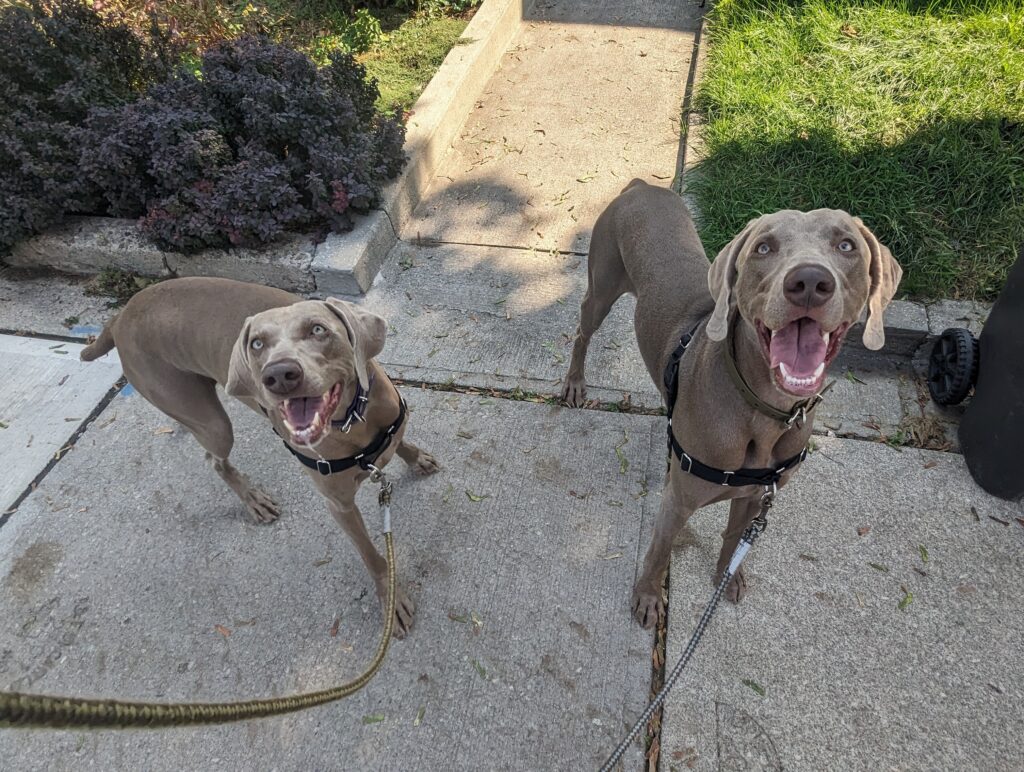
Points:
point(953, 366)
point(992, 429)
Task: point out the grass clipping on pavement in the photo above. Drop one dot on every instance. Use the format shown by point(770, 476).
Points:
point(906, 114)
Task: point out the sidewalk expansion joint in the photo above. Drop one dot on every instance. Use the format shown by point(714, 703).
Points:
point(517, 394)
point(691, 82)
point(426, 242)
point(659, 651)
point(46, 336)
point(67, 447)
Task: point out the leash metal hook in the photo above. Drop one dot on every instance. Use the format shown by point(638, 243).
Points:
point(384, 495)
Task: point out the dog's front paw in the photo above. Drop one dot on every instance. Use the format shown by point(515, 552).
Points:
point(425, 464)
point(648, 605)
point(262, 509)
point(574, 391)
point(737, 587)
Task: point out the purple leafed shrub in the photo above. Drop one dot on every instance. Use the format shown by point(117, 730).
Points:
point(59, 59)
point(257, 142)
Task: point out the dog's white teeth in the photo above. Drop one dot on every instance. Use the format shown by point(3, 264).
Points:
point(825, 337)
point(792, 380)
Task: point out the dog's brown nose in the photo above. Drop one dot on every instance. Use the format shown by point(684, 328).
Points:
point(282, 377)
point(809, 286)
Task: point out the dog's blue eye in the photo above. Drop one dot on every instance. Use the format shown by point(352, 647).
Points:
point(763, 248)
point(845, 245)
point(256, 344)
point(319, 329)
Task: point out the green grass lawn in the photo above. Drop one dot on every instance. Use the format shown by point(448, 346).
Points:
point(404, 63)
point(907, 114)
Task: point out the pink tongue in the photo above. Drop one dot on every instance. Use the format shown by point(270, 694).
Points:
point(799, 346)
point(302, 410)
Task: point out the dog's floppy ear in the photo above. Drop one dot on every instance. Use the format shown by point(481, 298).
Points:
point(366, 333)
point(240, 381)
point(721, 278)
point(885, 275)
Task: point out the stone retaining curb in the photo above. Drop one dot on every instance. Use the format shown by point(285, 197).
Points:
point(344, 263)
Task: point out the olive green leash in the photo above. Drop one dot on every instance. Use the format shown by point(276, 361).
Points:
point(36, 710)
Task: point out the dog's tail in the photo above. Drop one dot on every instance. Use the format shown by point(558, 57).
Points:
point(102, 345)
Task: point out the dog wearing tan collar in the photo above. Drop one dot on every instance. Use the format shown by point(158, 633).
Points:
point(776, 303)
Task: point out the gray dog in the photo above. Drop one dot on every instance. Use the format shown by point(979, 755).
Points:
point(783, 294)
point(307, 365)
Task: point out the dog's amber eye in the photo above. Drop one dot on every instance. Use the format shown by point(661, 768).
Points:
point(256, 344)
point(318, 329)
point(763, 248)
point(845, 245)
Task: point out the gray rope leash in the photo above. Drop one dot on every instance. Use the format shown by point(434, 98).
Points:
point(754, 530)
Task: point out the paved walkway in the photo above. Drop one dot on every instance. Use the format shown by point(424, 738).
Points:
point(128, 571)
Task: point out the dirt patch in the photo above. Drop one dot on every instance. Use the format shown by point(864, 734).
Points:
point(34, 567)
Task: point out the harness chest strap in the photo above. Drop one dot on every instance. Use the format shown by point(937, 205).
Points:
point(745, 476)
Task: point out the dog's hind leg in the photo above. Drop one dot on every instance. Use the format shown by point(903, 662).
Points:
point(607, 281)
point(192, 401)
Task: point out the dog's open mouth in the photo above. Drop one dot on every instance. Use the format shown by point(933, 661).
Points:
point(799, 354)
point(309, 418)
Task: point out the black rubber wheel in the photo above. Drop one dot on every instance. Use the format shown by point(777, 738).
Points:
point(953, 366)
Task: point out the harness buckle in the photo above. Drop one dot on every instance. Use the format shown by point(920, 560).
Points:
point(323, 466)
point(689, 462)
point(727, 476)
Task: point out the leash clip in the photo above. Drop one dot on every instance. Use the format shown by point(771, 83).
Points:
point(798, 417)
point(384, 495)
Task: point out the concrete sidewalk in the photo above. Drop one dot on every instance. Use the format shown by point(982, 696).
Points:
point(588, 97)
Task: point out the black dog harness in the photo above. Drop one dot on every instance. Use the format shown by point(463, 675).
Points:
point(367, 457)
point(746, 476)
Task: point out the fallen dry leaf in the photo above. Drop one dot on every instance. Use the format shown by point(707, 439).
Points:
point(931, 465)
point(474, 496)
point(754, 686)
point(222, 630)
point(335, 626)
point(906, 600)
point(864, 530)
